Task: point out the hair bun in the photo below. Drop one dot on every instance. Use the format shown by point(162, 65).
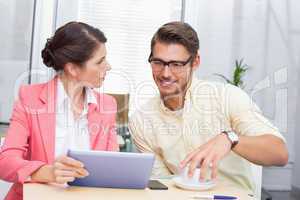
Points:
point(74, 42)
point(48, 55)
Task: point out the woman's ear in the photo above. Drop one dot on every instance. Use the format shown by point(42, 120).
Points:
point(71, 69)
point(196, 61)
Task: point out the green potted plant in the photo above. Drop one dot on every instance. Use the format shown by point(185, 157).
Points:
point(238, 74)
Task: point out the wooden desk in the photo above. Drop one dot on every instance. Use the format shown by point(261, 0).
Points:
point(34, 191)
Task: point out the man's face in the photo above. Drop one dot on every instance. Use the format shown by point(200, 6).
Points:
point(173, 79)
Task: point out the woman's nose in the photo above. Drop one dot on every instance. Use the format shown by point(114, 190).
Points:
point(108, 66)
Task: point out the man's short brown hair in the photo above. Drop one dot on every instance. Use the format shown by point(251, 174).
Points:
point(177, 33)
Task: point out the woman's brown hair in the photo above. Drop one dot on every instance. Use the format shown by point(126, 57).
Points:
point(74, 42)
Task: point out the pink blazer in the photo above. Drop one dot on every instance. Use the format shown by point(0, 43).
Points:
point(30, 139)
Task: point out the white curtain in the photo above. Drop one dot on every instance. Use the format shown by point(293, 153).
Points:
point(129, 26)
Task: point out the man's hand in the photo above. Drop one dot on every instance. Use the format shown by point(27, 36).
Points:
point(64, 169)
point(208, 155)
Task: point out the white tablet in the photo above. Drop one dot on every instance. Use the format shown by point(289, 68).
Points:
point(114, 169)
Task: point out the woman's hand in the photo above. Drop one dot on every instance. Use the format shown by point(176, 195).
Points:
point(64, 169)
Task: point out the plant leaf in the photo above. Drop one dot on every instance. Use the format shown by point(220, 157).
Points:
point(239, 72)
point(224, 77)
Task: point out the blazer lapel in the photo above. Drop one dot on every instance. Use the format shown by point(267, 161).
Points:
point(96, 127)
point(93, 125)
point(47, 118)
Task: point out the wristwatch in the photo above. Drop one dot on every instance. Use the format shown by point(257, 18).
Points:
point(233, 138)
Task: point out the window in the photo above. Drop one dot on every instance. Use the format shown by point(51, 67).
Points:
point(15, 41)
point(129, 26)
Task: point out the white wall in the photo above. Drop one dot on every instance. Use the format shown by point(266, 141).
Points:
point(45, 19)
point(296, 171)
point(267, 35)
point(15, 40)
point(16, 43)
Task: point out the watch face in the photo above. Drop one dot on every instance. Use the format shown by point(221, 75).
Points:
point(233, 137)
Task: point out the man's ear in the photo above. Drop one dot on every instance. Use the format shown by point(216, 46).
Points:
point(71, 69)
point(196, 61)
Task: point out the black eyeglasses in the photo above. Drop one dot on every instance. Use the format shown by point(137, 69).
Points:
point(175, 66)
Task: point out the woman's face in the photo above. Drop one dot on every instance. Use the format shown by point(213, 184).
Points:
point(93, 72)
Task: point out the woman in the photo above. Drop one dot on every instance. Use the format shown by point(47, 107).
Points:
point(64, 113)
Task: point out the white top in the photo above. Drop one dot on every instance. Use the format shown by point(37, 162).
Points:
point(71, 133)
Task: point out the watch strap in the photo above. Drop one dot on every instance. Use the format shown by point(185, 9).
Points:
point(233, 143)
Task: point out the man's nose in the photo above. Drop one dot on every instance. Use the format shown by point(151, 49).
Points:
point(166, 72)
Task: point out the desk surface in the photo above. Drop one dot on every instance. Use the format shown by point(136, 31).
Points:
point(34, 191)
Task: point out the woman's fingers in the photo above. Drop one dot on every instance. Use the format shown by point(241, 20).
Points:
point(80, 171)
point(66, 169)
point(83, 172)
point(70, 161)
point(65, 173)
point(64, 176)
point(63, 180)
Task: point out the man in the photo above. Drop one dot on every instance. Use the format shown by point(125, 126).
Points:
point(199, 123)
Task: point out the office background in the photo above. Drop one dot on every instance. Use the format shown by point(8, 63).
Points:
point(264, 33)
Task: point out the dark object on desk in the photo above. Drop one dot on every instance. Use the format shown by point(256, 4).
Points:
point(265, 195)
point(156, 185)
